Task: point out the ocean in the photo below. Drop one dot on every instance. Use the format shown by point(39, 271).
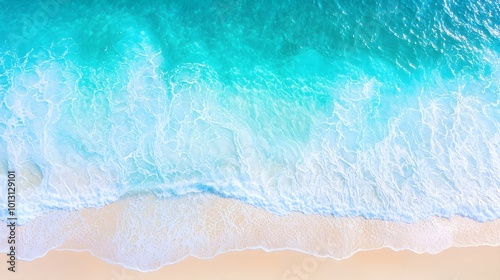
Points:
point(386, 110)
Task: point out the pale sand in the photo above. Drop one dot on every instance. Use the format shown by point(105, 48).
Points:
point(338, 235)
point(474, 263)
point(200, 227)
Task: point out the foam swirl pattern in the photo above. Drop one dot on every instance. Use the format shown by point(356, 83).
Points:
point(382, 109)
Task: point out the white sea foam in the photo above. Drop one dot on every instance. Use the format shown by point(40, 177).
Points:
point(147, 99)
point(431, 153)
point(146, 233)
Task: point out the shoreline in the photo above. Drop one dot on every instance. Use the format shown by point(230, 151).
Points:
point(456, 263)
point(117, 234)
point(256, 248)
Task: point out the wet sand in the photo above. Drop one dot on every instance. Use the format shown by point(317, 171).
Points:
point(474, 263)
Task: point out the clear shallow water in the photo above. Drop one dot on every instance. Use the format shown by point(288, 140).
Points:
point(386, 110)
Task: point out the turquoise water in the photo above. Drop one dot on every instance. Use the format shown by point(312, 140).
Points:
point(380, 109)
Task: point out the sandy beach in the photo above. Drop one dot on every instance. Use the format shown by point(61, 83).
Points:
point(116, 233)
point(263, 140)
point(474, 263)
